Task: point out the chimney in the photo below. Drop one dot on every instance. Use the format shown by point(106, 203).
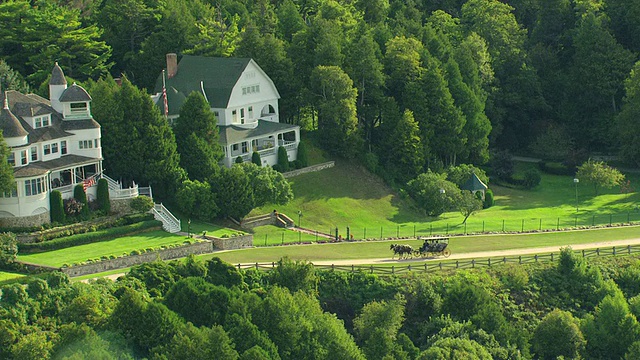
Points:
point(172, 65)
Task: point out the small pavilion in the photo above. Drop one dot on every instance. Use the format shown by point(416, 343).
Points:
point(475, 185)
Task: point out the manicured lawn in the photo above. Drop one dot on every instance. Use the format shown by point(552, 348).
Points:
point(198, 226)
point(348, 196)
point(116, 247)
point(380, 249)
point(8, 276)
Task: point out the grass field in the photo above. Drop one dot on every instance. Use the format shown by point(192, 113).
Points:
point(116, 247)
point(8, 276)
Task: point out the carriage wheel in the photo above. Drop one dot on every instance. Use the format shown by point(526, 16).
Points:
point(446, 253)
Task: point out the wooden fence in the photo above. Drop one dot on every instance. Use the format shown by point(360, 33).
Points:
point(433, 266)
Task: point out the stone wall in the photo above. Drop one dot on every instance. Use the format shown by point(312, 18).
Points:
point(260, 220)
point(121, 206)
point(309, 169)
point(26, 221)
point(204, 247)
point(235, 242)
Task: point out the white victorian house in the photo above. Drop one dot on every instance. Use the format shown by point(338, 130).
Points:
point(243, 99)
point(54, 144)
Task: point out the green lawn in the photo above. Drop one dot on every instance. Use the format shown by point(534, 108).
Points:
point(116, 247)
point(380, 249)
point(348, 196)
point(8, 276)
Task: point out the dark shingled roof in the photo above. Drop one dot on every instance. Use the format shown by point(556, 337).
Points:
point(57, 76)
point(42, 167)
point(233, 134)
point(474, 184)
point(218, 77)
point(9, 123)
point(79, 124)
point(75, 92)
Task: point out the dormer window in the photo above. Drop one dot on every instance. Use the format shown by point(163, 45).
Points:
point(41, 121)
point(78, 107)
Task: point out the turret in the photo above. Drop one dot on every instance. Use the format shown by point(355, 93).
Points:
point(13, 132)
point(57, 85)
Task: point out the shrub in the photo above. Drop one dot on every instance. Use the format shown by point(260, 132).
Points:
point(283, 159)
point(141, 204)
point(502, 165)
point(488, 199)
point(103, 196)
point(81, 197)
point(72, 207)
point(556, 168)
point(239, 160)
point(531, 178)
point(255, 158)
point(57, 207)
point(302, 158)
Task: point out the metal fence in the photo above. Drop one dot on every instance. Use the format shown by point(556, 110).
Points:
point(434, 266)
point(472, 226)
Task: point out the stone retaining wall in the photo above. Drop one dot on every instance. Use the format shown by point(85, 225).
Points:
point(261, 220)
point(204, 247)
point(309, 169)
point(26, 221)
point(235, 242)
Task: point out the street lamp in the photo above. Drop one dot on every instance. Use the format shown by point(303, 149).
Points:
point(299, 216)
point(576, 181)
point(189, 228)
point(442, 191)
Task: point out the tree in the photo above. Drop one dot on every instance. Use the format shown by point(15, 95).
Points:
point(433, 193)
point(302, 158)
point(295, 275)
point(57, 207)
point(103, 196)
point(468, 204)
point(255, 158)
point(283, 159)
point(197, 138)
point(81, 198)
point(198, 301)
point(137, 142)
point(406, 157)
point(502, 164)
point(402, 65)
point(7, 183)
point(627, 128)
point(377, 327)
point(234, 193)
point(557, 335)
point(11, 79)
point(196, 200)
point(460, 174)
point(8, 249)
point(599, 175)
point(223, 274)
point(268, 185)
point(453, 348)
point(197, 344)
point(335, 99)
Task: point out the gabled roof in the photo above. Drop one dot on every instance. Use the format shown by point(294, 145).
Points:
point(42, 167)
point(234, 134)
point(75, 92)
point(474, 184)
point(9, 123)
point(216, 76)
point(57, 76)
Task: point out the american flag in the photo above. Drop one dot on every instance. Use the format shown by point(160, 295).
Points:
point(164, 96)
point(87, 183)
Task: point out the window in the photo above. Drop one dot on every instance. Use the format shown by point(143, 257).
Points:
point(95, 142)
point(85, 144)
point(234, 115)
point(23, 157)
point(63, 147)
point(250, 89)
point(234, 147)
point(217, 114)
point(45, 120)
point(245, 148)
point(78, 107)
point(34, 186)
point(34, 153)
point(11, 159)
point(242, 116)
point(250, 110)
point(38, 122)
point(47, 149)
point(54, 148)
point(12, 193)
point(41, 121)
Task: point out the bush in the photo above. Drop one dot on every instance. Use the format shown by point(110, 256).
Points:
point(239, 160)
point(283, 159)
point(556, 168)
point(141, 204)
point(87, 238)
point(255, 158)
point(502, 165)
point(488, 199)
point(104, 204)
point(302, 159)
point(72, 207)
point(81, 198)
point(57, 207)
point(531, 178)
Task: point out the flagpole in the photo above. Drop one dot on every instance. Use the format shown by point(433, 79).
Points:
point(164, 97)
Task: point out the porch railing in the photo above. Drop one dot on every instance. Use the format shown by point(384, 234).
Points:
point(117, 192)
point(169, 222)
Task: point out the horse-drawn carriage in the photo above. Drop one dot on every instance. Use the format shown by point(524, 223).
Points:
point(434, 246)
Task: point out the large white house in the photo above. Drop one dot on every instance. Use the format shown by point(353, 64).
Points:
point(54, 145)
point(243, 98)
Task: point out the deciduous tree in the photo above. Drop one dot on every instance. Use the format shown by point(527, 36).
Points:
point(599, 175)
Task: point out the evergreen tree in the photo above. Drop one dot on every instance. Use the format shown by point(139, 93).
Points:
point(7, 183)
point(233, 192)
point(103, 196)
point(406, 156)
point(57, 207)
point(197, 138)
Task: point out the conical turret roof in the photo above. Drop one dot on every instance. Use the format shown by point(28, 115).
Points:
point(57, 76)
point(9, 123)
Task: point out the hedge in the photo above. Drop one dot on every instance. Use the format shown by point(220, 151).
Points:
point(556, 168)
point(88, 238)
point(103, 196)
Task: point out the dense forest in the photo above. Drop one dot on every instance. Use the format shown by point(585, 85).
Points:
point(195, 309)
point(434, 83)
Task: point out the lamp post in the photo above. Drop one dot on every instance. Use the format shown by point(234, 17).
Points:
point(576, 181)
point(189, 228)
point(299, 216)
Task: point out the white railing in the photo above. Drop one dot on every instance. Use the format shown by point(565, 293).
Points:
point(114, 185)
point(169, 222)
point(117, 192)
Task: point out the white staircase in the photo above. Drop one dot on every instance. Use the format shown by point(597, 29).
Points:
point(117, 192)
point(169, 222)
